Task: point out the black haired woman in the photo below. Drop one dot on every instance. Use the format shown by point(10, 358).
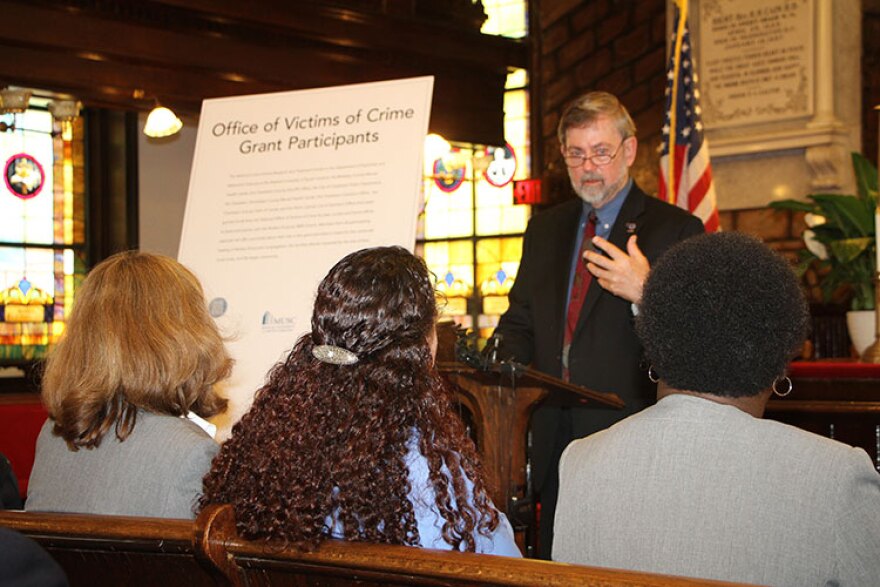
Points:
point(700, 484)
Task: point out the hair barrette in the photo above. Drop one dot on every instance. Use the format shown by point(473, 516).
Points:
point(334, 355)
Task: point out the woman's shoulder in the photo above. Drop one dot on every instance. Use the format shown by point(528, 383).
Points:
point(822, 447)
point(175, 430)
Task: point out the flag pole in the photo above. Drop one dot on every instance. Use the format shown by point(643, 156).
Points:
point(676, 64)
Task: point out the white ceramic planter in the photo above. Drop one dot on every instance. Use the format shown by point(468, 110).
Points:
point(861, 325)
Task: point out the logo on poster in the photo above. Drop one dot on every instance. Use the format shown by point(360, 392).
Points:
point(273, 323)
point(217, 307)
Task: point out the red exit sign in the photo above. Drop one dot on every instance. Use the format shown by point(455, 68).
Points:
point(527, 191)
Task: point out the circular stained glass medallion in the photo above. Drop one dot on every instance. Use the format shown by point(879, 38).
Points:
point(24, 176)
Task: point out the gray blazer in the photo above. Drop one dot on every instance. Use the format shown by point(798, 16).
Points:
point(696, 488)
point(157, 471)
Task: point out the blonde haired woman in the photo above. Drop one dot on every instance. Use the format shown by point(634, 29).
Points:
point(126, 389)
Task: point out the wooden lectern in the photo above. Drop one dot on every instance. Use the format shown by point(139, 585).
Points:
point(501, 400)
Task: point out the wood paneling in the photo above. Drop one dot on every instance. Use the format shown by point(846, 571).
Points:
point(183, 51)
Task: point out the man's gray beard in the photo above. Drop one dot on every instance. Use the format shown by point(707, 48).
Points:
point(598, 199)
point(591, 198)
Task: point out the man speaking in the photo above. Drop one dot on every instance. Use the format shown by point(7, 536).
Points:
point(580, 279)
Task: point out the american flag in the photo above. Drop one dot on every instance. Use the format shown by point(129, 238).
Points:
point(686, 178)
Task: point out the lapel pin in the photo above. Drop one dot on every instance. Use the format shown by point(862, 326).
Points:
point(630, 228)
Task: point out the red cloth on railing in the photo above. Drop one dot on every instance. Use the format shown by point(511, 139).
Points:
point(834, 370)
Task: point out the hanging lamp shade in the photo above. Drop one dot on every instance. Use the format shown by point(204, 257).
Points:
point(162, 122)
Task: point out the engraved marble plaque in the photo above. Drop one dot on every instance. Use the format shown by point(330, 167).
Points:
point(755, 60)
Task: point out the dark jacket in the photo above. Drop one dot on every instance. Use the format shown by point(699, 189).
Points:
point(10, 498)
point(605, 353)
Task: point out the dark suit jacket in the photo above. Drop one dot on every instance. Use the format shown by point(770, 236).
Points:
point(605, 353)
point(24, 563)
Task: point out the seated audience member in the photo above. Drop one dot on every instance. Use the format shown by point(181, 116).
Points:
point(125, 389)
point(354, 435)
point(699, 484)
point(24, 563)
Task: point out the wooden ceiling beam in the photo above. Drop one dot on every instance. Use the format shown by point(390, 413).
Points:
point(181, 53)
point(368, 30)
point(90, 37)
point(50, 70)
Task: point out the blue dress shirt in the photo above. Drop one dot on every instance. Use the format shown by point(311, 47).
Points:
point(428, 519)
point(606, 216)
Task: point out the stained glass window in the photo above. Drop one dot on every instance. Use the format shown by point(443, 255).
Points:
point(506, 18)
point(470, 230)
point(42, 230)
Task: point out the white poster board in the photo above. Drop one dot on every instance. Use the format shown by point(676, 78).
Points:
point(284, 185)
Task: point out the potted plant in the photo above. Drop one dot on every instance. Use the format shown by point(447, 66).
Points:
point(840, 244)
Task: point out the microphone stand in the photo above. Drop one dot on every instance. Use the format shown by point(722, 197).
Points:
point(520, 510)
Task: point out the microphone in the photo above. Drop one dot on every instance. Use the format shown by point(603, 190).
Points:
point(505, 366)
point(487, 359)
point(465, 349)
point(491, 350)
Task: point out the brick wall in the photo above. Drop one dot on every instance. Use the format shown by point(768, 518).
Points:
point(780, 229)
point(870, 77)
point(612, 45)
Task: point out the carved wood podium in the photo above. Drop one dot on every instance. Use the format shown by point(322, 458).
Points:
point(501, 401)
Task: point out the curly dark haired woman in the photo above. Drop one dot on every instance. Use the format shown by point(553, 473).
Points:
point(700, 484)
point(353, 436)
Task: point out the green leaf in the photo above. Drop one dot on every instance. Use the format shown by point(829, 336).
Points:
point(803, 265)
point(826, 233)
point(848, 234)
point(866, 178)
point(846, 250)
point(796, 205)
point(853, 216)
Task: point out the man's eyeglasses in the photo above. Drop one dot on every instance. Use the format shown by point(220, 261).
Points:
point(599, 159)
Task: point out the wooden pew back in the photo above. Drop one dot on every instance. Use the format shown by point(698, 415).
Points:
point(113, 550)
point(117, 550)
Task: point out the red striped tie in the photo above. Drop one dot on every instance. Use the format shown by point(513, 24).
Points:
point(579, 287)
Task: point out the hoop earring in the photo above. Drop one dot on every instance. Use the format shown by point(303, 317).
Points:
point(788, 389)
point(652, 375)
